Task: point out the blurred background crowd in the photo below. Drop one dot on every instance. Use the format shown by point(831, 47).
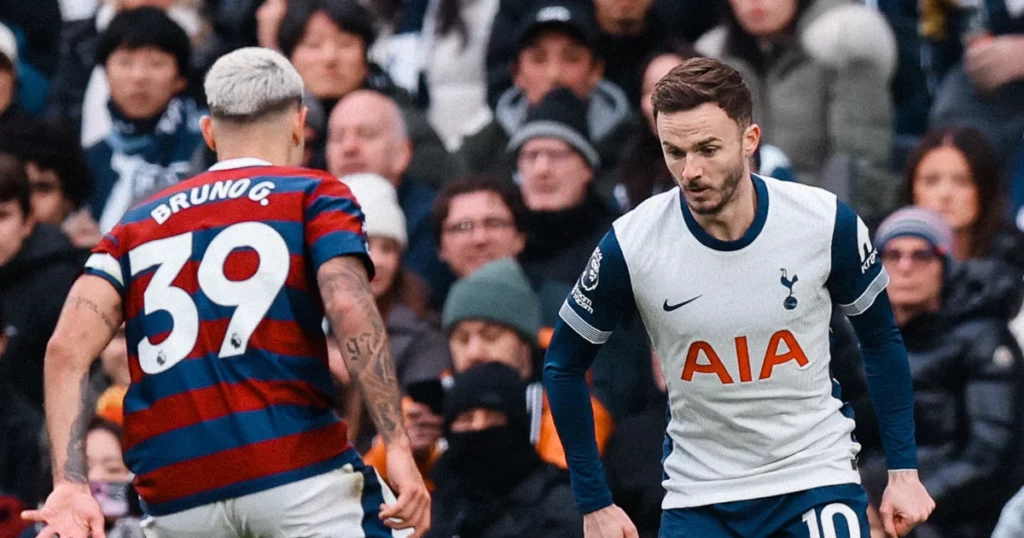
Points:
point(491, 144)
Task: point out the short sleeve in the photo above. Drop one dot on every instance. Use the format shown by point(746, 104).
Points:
point(334, 225)
point(602, 295)
point(107, 261)
point(857, 276)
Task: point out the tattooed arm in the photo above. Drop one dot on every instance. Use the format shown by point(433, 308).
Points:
point(91, 317)
point(363, 340)
point(357, 324)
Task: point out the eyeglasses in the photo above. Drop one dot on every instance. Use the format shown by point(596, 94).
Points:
point(917, 257)
point(466, 227)
point(557, 156)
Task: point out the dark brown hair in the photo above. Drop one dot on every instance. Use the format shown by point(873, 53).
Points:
point(14, 185)
point(510, 195)
point(704, 80)
point(985, 174)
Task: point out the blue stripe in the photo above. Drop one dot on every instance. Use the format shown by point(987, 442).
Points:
point(209, 371)
point(229, 432)
point(102, 274)
point(837, 393)
point(373, 497)
point(337, 244)
point(282, 185)
point(326, 202)
point(255, 485)
point(708, 240)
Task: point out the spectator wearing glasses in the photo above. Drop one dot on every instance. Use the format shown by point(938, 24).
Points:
point(967, 370)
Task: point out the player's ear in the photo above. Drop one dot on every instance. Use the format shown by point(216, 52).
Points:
point(299, 128)
point(751, 139)
point(206, 126)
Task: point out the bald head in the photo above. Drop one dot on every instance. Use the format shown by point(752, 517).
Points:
point(366, 133)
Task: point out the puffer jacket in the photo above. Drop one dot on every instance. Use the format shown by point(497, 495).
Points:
point(822, 96)
point(968, 373)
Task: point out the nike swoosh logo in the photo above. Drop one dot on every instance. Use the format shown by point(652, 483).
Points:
point(669, 308)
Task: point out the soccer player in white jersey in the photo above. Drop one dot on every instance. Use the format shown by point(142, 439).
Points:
point(735, 277)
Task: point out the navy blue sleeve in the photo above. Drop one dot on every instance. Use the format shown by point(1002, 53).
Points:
point(601, 296)
point(857, 284)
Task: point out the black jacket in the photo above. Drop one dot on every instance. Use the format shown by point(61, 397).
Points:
point(541, 506)
point(33, 287)
point(20, 447)
point(559, 243)
point(968, 373)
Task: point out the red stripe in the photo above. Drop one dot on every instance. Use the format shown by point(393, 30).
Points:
point(329, 222)
point(241, 464)
point(280, 337)
point(193, 407)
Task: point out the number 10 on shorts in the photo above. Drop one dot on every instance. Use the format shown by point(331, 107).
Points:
point(827, 521)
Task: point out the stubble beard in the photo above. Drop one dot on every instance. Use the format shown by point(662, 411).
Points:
point(726, 192)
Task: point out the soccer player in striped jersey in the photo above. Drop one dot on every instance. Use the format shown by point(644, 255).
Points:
point(735, 277)
point(222, 282)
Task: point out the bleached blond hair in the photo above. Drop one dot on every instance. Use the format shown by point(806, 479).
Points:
point(251, 83)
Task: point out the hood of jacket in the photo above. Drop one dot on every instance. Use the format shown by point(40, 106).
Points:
point(982, 288)
point(45, 245)
point(608, 108)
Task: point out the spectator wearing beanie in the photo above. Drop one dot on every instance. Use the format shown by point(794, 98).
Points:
point(491, 484)
point(156, 129)
point(555, 47)
point(8, 75)
point(493, 315)
point(968, 374)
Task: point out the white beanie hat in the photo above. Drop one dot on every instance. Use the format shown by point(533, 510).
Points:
point(8, 44)
point(379, 200)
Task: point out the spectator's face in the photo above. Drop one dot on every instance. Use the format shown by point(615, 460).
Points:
point(48, 201)
point(143, 81)
point(386, 254)
point(708, 154)
point(103, 457)
point(555, 176)
point(332, 62)
point(554, 59)
point(623, 13)
point(15, 227)
point(915, 272)
point(423, 427)
point(478, 419)
point(764, 18)
point(6, 89)
point(474, 342)
point(268, 20)
point(944, 184)
point(159, 4)
point(656, 70)
point(114, 359)
point(480, 228)
point(363, 136)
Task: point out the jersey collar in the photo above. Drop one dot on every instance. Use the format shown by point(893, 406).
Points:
point(748, 237)
point(241, 162)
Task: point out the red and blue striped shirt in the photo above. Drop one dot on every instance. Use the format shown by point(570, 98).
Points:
point(230, 388)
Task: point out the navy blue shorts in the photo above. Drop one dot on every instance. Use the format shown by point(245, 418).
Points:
point(826, 512)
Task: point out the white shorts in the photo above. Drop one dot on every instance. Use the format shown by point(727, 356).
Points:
point(343, 503)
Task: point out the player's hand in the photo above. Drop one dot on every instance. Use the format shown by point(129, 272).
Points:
point(412, 510)
point(69, 512)
point(608, 522)
point(905, 503)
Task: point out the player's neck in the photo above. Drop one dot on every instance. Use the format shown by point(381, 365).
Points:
point(736, 217)
point(275, 154)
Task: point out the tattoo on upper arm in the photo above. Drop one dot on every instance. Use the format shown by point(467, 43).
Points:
point(363, 340)
point(75, 466)
point(111, 319)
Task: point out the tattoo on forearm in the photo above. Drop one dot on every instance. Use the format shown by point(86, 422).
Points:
point(111, 319)
point(366, 350)
point(75, 466)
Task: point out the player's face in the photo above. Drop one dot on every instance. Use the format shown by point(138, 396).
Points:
point(48, 201)
point(332, 62)
point(143, 81)
point(479, 342)
point(554, 59)
point(555, 176)
point(656, 70)
point(764, 18)
point(708, 154)
point(915, 272)
point(103, 458)
point(15, 227)
point(943, 183)
point(479, 228)
point(478, 419)
point(386, 254)
point(360, 139)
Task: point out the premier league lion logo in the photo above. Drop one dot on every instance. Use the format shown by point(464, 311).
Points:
point(592, 273)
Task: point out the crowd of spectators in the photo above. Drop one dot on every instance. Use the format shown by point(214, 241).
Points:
point(491, 144)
